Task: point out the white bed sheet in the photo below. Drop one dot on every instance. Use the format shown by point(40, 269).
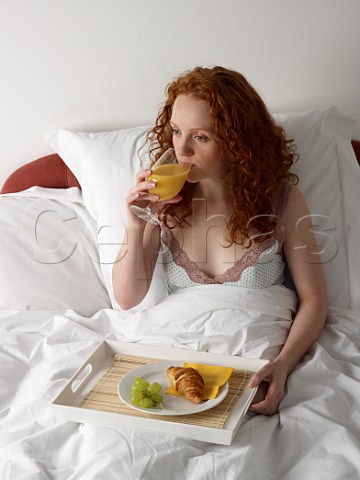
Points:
point(315, 436)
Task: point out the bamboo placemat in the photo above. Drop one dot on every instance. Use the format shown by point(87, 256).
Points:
point(104, 397)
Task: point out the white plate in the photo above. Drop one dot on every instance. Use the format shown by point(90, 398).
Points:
point(172, 404)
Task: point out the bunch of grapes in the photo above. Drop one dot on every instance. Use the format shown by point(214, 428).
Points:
point(144, 394)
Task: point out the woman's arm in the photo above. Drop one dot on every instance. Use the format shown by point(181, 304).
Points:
point(305, 266)
point(134, 266)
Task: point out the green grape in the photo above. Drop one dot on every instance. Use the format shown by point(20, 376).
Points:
point(138, 381)
point(157, 398)
point(135, 397)
point(146, 403)
point(155, 388)
point(136, 394)
point(135, 387)
point(144, 394)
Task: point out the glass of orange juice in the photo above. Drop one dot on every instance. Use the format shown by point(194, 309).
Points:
point(170, 176)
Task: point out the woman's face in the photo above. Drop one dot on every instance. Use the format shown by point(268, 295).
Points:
point(194, 140)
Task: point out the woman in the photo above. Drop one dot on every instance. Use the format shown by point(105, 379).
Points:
point(239, 217)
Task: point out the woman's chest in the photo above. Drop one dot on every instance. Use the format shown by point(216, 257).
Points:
point(206, 245)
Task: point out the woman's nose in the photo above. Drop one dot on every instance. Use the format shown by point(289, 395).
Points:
point(184, 147)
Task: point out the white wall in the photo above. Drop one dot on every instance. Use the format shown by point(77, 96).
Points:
point(103, 64)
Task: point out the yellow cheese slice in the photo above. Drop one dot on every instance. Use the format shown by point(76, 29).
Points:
point(214, 377)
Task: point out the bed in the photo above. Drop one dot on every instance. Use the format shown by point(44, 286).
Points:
point(62, 222)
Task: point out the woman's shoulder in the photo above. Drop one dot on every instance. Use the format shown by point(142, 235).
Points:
point(296, 208)
point(295, 196)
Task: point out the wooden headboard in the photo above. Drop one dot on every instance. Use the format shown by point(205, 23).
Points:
point(51, 172)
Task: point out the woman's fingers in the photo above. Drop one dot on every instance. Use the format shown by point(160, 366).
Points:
point(142, 175)
point(273, 374)
point(143, 186)
point(258, 377)
point(269, 405)
point(140, 196)
point(140, 191)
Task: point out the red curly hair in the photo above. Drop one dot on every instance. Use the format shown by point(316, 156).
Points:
point(256, 152)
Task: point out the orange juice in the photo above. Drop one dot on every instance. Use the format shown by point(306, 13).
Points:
point(170, 179)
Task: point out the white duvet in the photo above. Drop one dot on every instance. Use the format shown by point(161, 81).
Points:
point(315, 435)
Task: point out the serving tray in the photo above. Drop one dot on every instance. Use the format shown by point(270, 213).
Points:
point(91, 394)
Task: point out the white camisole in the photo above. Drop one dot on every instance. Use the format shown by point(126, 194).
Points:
point(261, 266)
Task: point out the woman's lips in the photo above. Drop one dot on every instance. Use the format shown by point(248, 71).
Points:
point(187, 164)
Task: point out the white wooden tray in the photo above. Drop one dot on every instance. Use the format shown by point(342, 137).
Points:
point(67, 405)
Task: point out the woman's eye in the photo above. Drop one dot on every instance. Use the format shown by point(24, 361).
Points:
point(201, 138)
point(176, 131)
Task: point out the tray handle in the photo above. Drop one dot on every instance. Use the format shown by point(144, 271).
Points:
point(80, 377)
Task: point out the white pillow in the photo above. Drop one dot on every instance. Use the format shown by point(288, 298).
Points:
point(105, 163)
point(323, 139)
point(49, 257)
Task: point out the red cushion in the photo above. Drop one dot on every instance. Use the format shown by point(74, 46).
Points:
point(48, 172)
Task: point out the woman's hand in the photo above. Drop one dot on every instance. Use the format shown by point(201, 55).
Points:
point(274, 374)
point(140, 196)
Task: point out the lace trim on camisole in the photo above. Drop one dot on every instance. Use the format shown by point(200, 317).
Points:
point(197, 275)
point(250, 258)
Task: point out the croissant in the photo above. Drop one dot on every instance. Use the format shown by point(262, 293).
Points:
point(188, 382)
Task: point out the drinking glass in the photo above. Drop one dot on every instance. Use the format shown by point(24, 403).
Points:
point(169, 176)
